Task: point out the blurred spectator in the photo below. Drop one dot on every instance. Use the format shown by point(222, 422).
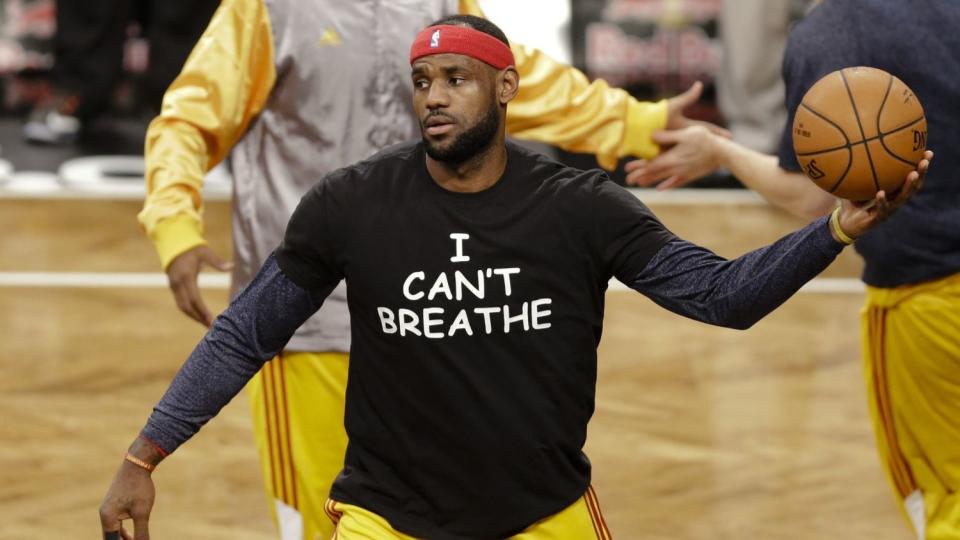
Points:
point(651, 48)
point(750, 93)
point(89, 46)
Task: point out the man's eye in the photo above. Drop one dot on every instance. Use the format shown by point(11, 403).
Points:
point(421, 84)
point(456, 81)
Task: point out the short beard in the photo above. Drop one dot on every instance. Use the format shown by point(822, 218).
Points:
point(469, 143)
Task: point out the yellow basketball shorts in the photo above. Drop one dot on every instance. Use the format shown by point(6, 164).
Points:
point(297, 401)
point(911, 350)
point(581, 520)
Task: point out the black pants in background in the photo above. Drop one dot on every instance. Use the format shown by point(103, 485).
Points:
point(91, 34)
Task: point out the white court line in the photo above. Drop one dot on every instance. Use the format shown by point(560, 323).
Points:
point(148, 280)
point(50, 189)
point(103, 280)
point(698, 197)
point(132, 191)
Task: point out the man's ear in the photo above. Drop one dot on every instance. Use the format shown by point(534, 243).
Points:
point(508, 84)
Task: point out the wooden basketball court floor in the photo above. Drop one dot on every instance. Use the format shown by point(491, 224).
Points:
point(700, 433)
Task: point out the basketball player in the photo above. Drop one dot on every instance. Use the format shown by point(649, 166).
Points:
point(477, 272)
point(286, 92)
point(911, 345)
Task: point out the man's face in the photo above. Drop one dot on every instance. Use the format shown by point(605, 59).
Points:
point(455, 99)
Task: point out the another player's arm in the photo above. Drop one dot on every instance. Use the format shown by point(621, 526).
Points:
point(789, 190)
point(224, 83)
point(695, 152)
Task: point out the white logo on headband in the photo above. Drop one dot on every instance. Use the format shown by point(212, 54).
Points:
point(435, 39)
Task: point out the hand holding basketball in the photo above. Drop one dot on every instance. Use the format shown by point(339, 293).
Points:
point(858, 131)
point(857, 218)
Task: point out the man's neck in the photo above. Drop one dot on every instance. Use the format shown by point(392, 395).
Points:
point(473, 175)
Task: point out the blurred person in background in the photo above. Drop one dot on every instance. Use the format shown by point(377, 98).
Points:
point(88, 59)
point(910, 342)
point(750, 91)
point(285, 92)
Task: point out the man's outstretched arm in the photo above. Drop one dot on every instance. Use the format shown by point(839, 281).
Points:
point(694, 282)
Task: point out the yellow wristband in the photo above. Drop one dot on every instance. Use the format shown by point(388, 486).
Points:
point(139, 462)
point(835, 225)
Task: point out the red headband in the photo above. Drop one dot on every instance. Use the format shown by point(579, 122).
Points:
point(461, 40)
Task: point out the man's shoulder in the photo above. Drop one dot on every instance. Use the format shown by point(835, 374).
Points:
point(382, 165)
point(819, 30)
point(399, 155)
point(820, 43)
point(539, 166)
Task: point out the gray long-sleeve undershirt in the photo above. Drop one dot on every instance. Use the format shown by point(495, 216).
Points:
point(252, 330)
point(694, 282)
point(682, 277)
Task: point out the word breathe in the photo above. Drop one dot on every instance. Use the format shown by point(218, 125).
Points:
point(436, 322)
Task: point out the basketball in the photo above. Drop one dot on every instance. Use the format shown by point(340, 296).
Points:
point(857, 131)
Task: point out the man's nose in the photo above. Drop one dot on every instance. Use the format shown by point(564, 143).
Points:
point(437, 97)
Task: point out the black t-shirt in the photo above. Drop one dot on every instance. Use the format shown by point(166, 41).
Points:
point(918, 42)
point(476, 318)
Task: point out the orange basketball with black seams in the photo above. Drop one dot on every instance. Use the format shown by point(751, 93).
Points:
point(859, 130)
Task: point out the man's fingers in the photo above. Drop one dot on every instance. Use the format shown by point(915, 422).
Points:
point(666, 137)
point(112, 524)
point(670, 183)
point(717, 130)
point(140, 529)
point(653, 175)
point(205, 317)
point(185, 301)
point(183, 274)
point(883, 206)
point(197, 306)
point(692, 94)
point(634, 165)
point(912, 185)
point(647, 175)
point(666, 164)
point(209, 257)
point(119, 534)
point(641, 180)
point(116, 534)
point(922, 168)
point(111, 515)
point(634, 170)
